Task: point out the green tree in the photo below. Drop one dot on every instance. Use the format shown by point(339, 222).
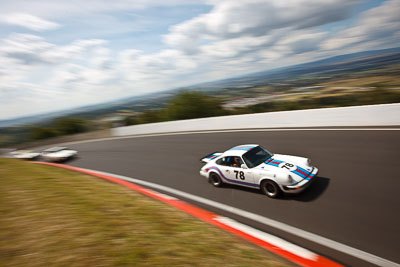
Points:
point(150, 116)
point(70, 125)
point(38, 133)
point(189, 105)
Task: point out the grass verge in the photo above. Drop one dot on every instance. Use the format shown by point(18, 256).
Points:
point(57, 217)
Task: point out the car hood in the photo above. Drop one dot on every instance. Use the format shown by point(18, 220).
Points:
point(297, 167)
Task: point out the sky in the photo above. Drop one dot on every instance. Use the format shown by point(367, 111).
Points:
point(57, 55)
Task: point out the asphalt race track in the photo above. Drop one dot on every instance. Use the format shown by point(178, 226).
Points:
point(354, 201)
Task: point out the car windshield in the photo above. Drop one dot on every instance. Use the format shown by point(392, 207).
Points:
point(256, 156)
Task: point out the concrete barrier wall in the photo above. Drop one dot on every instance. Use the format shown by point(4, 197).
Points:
point(373, 115)
point(66, 139)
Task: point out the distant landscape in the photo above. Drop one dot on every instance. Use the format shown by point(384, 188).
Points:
point(371, 77)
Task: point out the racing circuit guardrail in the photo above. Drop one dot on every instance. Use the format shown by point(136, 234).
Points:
point(372, 115)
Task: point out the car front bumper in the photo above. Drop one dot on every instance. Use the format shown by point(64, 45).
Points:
point(300, 186)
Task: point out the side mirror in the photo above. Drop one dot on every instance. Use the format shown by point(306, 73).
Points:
point(243, 166)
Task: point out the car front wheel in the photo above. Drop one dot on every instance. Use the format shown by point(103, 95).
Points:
point(270, 188)
point(215, 180)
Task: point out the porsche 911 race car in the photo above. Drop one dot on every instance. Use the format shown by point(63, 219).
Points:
point(58, 154)
point(255, 167)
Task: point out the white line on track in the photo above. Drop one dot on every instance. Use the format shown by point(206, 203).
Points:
point(276, 241)
point(368, 257)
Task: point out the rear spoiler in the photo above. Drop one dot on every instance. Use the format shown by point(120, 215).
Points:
point(210, 157)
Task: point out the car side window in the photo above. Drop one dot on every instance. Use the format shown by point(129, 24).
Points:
point(221, 161)
point(237, 162)
point(225, 161)
point(230, 161)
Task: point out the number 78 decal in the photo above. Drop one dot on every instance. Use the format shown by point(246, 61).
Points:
point(240, 174)
point(288, 166)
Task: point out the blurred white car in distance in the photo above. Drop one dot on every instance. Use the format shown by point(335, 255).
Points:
point(24, 154)
point(58, 154)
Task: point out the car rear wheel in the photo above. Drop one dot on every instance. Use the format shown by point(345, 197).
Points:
point(215, 180)
point(270, 188)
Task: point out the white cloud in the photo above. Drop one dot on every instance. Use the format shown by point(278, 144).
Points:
point(30, 49)
point(235, 46)
point(74, 8)
point(302, 41)
point(25, 48)
point(29, 21)
point(381, 23)
point(233, 38)
point(233, 19)
point(44, 73)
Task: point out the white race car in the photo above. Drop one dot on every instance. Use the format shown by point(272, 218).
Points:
point(24, 154)
point(255, 167)
point(58, 154)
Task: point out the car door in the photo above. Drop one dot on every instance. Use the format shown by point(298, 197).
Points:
point(234, 173)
